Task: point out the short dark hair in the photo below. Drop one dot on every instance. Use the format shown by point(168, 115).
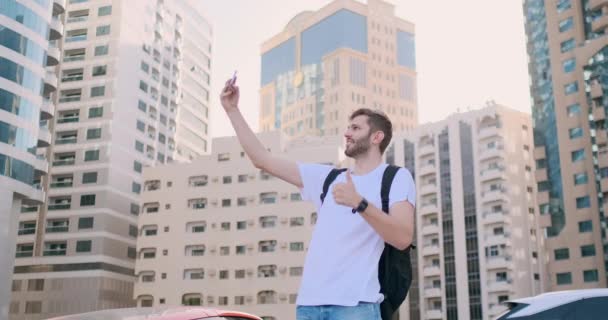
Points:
point(377, 121)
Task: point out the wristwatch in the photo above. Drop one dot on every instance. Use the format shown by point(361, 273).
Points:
point(361, 207)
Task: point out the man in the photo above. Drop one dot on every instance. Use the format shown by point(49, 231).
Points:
point(340, 278)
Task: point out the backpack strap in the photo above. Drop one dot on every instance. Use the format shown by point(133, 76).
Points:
point(333, 174)
point(387, 182)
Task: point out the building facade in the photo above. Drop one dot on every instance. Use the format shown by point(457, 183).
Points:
point(133, 92)
point(479, 242)
point(329, 62)
point(30, 32)
point(566, 49)
point(218, 232)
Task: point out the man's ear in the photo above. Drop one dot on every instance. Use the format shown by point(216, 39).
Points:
point(378, 137)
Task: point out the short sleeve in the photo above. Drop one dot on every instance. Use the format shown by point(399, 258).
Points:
point(313, 175)
point(403, 188)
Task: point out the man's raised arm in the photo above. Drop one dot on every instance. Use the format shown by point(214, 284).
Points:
point(284, 169)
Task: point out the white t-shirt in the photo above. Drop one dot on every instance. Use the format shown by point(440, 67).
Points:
point(341, 266)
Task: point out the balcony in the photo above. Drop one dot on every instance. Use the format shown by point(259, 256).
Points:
point(490, 153)
point(431, 249)
point(433, 314)
point(600, 23)
point(544, 220)
point(426, 169)
point(50, 82)
point(492, 173)
point(428, 208)
point(47, 110)
point(499, 262)
point(496, 240)
point(54, 252)
point(499, 286)
point(59, 206)
point(66, 140)
point(599, 113)
point(604, 184)
point(64, 162)
point(488, 132)
point(541, 175)
point(62, 184)
point(44, 137)
point(77, 19)
point(76, 57)
point(601, 137)
point(602, 156)
point(26, 231)
point(426, 149)
point(56, 29)
point(57, 229)
point(431, 271)
point(24, 254)
point(596, 4)
point(76, 38)
point(430, 228)
point(58, 7)
point(596, 89)
point(53, 56)
point(428, 189)
point(72, 77)
point(432, 292)
point(68, 119)
point(494, 195)
point(495, 217)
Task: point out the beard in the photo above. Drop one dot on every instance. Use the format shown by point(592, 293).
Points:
point(358, 148)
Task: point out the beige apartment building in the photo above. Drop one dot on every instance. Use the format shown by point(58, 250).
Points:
point(133, 91)
point(567, 49)
point(329, 62)
point(218, 232)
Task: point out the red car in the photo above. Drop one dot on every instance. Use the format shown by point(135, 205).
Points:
point(171, 313)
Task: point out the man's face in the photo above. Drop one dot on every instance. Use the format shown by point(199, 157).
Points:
point(357, 136)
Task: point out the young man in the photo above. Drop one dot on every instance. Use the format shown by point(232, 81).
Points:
point(340, 279)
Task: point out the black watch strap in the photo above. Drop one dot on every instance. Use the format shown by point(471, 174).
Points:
point(361, 207)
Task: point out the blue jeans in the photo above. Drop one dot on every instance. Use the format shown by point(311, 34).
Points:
point(362, 311)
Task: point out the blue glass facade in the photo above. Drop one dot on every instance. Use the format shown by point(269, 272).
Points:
point(19, 106)
point(17, 73)
point(17, 137)
point(22, 14)
point(16, 169)
point(343, 29)
point(22, 45)
point(279, 60)
point(543, 110)
point(406, 49)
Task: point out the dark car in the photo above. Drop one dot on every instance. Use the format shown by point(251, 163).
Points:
point(175, 313)
point(560, 305)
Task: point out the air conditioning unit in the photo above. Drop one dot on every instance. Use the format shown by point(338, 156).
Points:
point(215, 179)
point(284, 220)
point(283, 245)
point(250, 222)
point(282, 297)
point(282, 270)
point(251, 176)
point(249, 298)
point(284, 196)
point(210, 300)
point(251, 199)
point(250, 271)
point(211, 272)
point(213, 249)
point(250, 247)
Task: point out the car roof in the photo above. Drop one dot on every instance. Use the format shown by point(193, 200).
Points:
point(168, 313)
point(550, 300)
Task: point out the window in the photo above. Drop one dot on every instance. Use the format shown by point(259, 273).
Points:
point(223, 274)
point(574, 110)
point(143, 86)
point(32, 307)
point(227, 179)
point(296, 221)
point(296, 246)
point(585, 226)
point(581, 178)
point(590, 275)
point(94, 133)
point(562, 254)
point(104, 11)
point(578, 155)
point(85, 223)
point(35, 285)
point(295, 197)
point(563, 5)
point(242, 178)
point(101, 50)
point(224, 251)
point(99, 71)
point(83, 246)
point(133, 231)
point(295, 271)
point(136, 187)
point(137, 166)
point(239, 274)
point(139, 146)
point(569, 65)
point(142, 106)
point(103, 30)
point(223, 157)
point(575, 132)
point(95, 112)
point(98, 91)
point(89, 177)
point(240, 250)
point(583, 202)
point(571, 88)
point(145, 67)
point(134, 209)
point(241, 225)
point(91, 155)
point(226, 202)
point(588, 250)
point(87, 200)
point(566, 24)
point(567, 45)
point(225, 226)
point(564, 278)
point(141, 126)
point(502, 299)
point(131, 253)
point(241, 201)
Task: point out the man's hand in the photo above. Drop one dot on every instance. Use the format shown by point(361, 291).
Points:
point(230, 97)
point(346, 194)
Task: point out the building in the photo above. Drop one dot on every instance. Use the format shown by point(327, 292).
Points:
point(476, 220)
point(566, 49)
point(29, 35)
point(133, 92)
point(329, 62)
point(246, 233)
point(219, 232)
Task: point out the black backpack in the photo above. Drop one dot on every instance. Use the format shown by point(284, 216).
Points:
point(394, 267)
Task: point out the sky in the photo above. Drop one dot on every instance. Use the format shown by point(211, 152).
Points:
point(468, 52)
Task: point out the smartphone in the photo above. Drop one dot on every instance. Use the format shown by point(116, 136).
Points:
point(233, 80)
